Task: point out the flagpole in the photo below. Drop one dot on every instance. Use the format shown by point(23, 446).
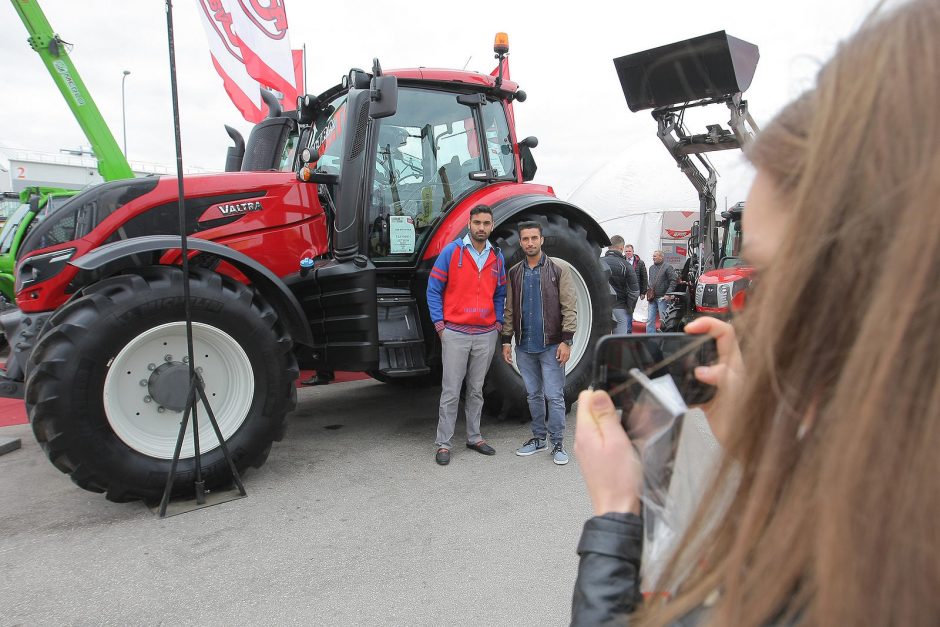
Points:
point(305, 70)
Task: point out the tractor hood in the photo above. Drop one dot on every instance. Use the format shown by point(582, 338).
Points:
point(216, 205)
point(726, 275)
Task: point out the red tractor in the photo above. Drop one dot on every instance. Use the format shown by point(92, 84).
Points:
point(722, 291)
point(321, 266)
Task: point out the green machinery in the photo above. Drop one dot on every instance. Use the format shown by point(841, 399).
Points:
point(37, 202)
point(34, 203)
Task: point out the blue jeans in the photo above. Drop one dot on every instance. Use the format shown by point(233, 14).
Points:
point(624, 321)
point(544, 379)
point(655, 304)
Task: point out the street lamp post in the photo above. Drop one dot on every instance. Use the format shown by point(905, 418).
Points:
point(124, 112)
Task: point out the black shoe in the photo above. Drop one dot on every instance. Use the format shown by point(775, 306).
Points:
point(482, 447)
point(317, 379)
point(443, 456)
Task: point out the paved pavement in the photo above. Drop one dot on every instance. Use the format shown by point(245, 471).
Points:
point(350, 522)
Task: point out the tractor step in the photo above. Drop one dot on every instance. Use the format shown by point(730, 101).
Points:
point(402, 359)
point(401, 341)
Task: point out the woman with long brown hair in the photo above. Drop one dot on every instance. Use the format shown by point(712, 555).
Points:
point(829, 415)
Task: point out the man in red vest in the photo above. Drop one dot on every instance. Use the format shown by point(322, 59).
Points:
point(466, 295)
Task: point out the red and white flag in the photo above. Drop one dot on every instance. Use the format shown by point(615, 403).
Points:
point(261, 28)
point(244, 90)
point(250, 48)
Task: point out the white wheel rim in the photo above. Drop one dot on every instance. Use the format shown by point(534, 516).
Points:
point(226, 372)
point(582, 334)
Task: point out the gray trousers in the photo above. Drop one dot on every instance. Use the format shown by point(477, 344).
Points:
point(464, 356)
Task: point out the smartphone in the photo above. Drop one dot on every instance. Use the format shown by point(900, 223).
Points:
point(653, 357)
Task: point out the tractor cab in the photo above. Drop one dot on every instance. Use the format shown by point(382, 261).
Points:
point(448, 136)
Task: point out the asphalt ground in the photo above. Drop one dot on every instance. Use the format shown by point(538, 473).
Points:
point(350, 522)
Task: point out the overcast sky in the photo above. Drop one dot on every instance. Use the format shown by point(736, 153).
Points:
point(560, 53)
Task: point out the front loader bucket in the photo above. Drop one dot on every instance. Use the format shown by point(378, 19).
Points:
point(711, 66)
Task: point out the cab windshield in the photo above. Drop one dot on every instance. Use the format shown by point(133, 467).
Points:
point(425, 155)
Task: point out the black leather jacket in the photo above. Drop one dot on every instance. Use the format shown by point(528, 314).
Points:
point(623, 280)
point(607, 590)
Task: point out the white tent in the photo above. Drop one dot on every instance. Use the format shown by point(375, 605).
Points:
point(622, 198)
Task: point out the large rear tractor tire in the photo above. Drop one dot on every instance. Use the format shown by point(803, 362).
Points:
point(503, 392)
point(103, 385)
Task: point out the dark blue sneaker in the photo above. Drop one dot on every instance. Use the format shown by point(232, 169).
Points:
point(533, 445)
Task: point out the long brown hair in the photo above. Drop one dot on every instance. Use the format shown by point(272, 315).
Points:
point(835, 436)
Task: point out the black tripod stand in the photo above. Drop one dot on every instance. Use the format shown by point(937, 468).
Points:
point(197, 391)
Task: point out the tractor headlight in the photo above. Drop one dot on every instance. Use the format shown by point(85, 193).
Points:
point(38, 268)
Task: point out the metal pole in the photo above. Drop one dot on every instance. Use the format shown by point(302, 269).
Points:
point(124, 112)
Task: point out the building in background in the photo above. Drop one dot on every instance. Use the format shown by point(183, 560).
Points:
point(65, 171)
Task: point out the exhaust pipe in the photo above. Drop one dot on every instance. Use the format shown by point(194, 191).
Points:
point(236, 153)
point(274, 107)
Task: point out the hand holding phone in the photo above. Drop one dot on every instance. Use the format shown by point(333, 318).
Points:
point(725, 374)
point(672, 355)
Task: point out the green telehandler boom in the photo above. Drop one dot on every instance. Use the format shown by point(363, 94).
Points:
point(112, 164)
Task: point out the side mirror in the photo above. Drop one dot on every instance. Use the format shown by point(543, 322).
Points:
point(383, 96)
point(525, 156)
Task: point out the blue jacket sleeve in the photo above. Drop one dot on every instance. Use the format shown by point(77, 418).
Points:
point(437, 281)
point(499, 296)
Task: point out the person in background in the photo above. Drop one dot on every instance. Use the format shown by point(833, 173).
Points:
point(624, 283)
point(662, 281)
point(466, 296)
point(825, 505)
point(541, 315)
point(639, 266)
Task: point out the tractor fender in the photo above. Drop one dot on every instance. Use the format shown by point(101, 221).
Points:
point(504, 212)
point(506, 209)
point(274, 290)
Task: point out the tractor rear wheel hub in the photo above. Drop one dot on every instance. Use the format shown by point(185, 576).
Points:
point(169, 385)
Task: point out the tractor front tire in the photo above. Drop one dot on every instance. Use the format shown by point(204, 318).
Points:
point(673, 318)
point(504, 393)
point(111, 359)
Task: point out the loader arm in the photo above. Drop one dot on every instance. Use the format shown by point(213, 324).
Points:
point(112, 164)
point(688, 152)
